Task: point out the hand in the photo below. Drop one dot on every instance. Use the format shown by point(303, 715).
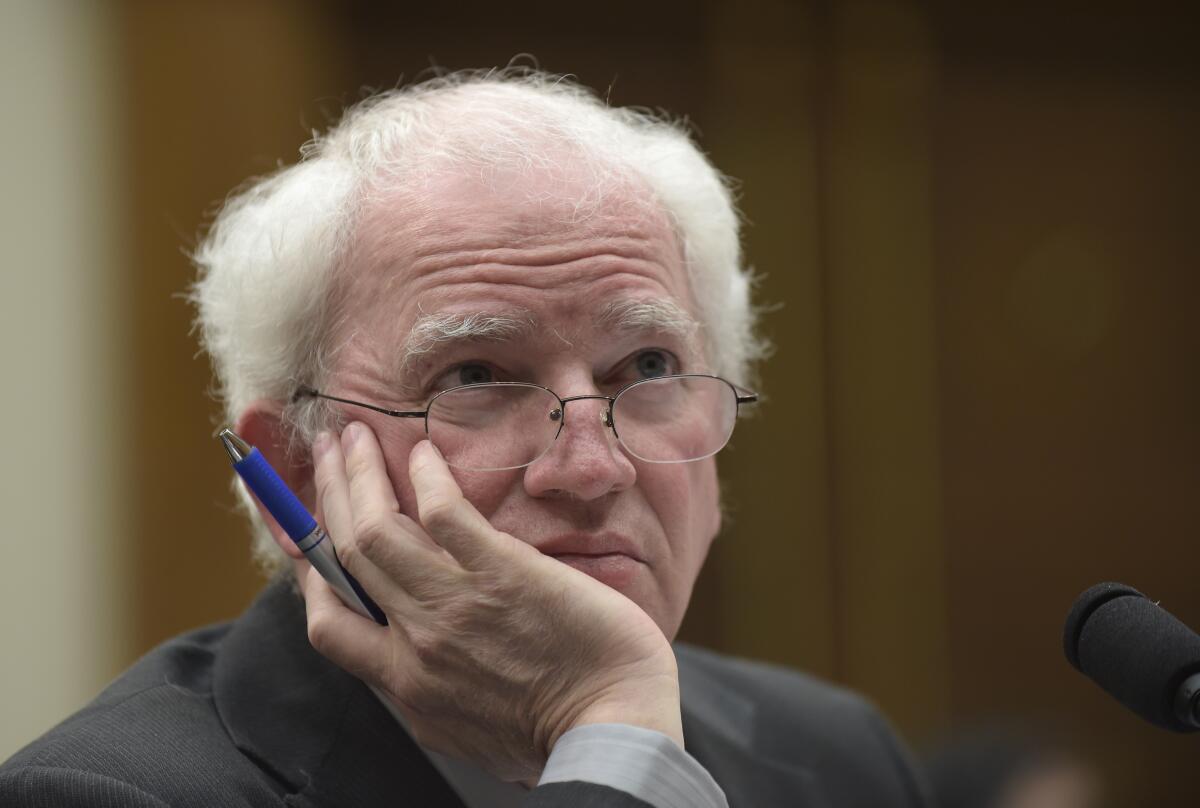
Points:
point(492, 650)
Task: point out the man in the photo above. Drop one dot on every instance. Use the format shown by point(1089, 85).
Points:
point(493, 333)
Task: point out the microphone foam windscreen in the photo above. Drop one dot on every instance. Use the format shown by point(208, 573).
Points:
point(1092, 599)
point(1134, 649)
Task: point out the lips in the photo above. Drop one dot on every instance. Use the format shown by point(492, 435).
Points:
point(614, 569)
point(610, 558)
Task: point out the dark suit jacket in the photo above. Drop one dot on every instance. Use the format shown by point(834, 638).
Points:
point(247, 714)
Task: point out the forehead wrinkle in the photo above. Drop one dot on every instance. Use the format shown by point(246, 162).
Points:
point(457, 226)
point(626, 249)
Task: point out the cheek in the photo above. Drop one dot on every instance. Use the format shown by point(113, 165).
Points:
point(488, 490)
point(685, 499)
point(704, 506)
point(709, 501)
point(686, 505)
point(484, 490)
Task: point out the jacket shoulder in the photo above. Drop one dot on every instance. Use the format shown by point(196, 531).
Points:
point(51, 787)
point(778, 713)
point(790, 695)
point(153, 737)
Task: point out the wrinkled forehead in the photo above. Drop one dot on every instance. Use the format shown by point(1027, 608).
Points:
point(537, 217)
point(510, 205)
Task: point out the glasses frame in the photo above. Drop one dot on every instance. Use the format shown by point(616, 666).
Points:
point(741, 395)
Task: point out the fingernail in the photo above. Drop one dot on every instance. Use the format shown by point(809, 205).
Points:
point(418, 451)
point(351, 434)
point(321, 445)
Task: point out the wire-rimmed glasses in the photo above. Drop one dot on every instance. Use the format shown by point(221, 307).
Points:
point(497, 426)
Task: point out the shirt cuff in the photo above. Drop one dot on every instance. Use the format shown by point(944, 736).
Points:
point(641, 762)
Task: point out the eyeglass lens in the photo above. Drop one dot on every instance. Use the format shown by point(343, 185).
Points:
point(669, 420)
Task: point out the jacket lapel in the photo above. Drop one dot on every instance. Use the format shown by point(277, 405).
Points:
point(319, 732)
point(719, 731)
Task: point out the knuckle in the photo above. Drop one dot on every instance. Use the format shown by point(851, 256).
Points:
point(429, 648)
point(509, 547)
point(439, 512)
point(494, 592)
point(319, 633)
point(370, 531)
point(409, 695)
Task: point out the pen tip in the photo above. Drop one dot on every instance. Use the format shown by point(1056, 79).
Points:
point(237, 448)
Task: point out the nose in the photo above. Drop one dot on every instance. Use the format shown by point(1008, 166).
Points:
point(586, 462)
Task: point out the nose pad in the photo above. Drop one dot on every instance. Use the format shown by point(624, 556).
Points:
point(585, 463)
point(605, 416)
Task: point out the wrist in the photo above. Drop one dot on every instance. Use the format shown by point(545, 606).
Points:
point(648, 705)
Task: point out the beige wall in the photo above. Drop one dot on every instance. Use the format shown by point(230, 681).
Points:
point(64, 625)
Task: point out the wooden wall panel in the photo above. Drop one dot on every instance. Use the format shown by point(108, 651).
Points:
point(885, 476)
point(216, 94)
point(1067, 282)
point(775, 559)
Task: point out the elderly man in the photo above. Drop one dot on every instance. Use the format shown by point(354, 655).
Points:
point(493, 333)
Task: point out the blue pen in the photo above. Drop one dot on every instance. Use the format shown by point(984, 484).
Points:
point(298, 523)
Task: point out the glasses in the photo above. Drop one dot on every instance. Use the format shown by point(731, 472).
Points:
point(499, 426)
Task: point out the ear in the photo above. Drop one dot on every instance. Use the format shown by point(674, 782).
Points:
point(260, 425)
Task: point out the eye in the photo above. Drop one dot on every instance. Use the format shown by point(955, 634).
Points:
point(458, 375)
point(654, 363)
point(472, 373)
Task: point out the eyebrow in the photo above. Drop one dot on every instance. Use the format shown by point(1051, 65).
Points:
point(433, 332)
point(654, 314)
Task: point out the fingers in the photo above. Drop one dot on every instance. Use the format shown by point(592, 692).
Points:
point(370, 489)
point(445, 513)
point(333, 489)
point(348, 639)
point(385, 550)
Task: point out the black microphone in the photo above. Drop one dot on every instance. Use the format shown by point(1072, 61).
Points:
point(1137, 651)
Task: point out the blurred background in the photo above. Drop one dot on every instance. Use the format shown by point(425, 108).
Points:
point(976, 225)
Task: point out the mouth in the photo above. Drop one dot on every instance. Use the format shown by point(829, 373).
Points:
point(610, 558)
point(616, 570)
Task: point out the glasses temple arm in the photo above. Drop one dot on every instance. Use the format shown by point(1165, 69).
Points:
point(309, 392)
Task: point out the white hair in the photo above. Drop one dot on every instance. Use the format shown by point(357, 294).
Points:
point(266, 292)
